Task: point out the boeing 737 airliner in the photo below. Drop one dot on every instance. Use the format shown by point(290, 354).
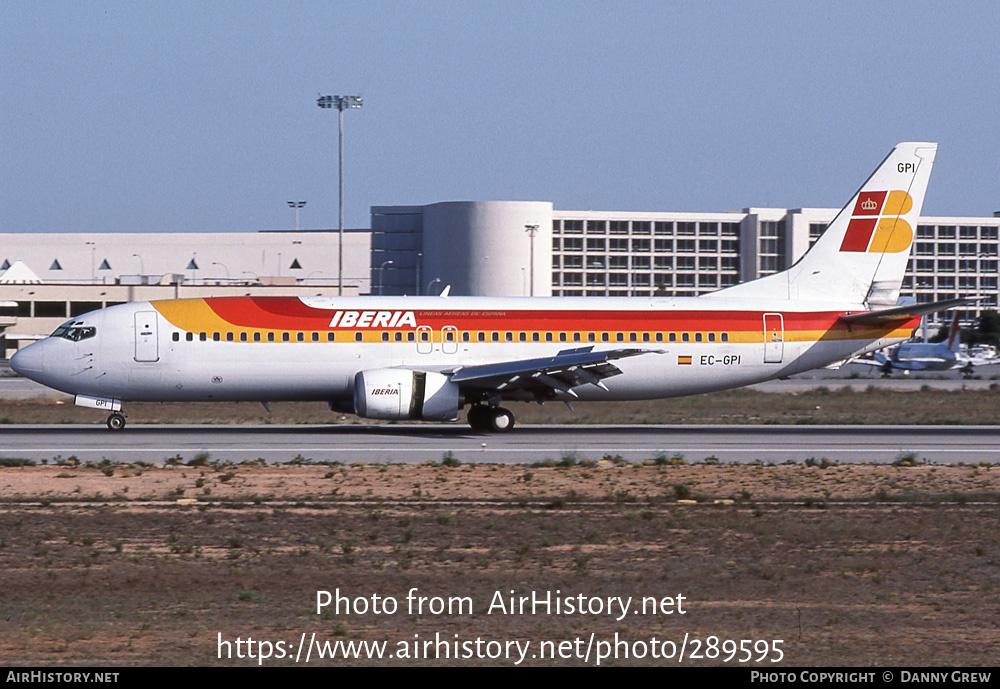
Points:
point(427, 358)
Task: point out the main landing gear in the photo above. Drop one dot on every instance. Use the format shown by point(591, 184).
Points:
point(483, 417)
point(116, 421)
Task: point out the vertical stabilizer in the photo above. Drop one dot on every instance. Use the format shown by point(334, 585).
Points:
point(954, 336)
point(862, 255)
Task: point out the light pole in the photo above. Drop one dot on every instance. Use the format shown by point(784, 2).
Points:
point(380, 281)
point(217, 263)
point(532, 230)
point(342, 103)
point(93, 250)
point(296, 205)
point(142, 265)
point(431, 284)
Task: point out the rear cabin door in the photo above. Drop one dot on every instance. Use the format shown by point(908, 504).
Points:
point(146, 346)
point(774, 338)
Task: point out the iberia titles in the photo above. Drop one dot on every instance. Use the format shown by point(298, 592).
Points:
point(373, 319)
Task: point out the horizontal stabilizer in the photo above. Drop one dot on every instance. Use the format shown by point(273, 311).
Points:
point(909, 310)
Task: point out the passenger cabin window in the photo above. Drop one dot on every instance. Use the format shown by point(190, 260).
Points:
point(177, 337)
point(358, 337)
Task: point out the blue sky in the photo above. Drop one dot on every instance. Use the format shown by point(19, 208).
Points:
point(202, 116)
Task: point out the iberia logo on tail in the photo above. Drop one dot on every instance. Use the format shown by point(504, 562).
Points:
point(876, 225)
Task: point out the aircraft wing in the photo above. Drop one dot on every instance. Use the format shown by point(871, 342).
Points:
point(546, 375)
point(977, 361)
point(879, 359)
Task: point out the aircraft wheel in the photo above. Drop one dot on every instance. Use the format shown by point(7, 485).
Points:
point(116, 421)
point(477, 417)
point(501, 420)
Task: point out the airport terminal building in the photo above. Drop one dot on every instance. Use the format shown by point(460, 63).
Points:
point(528, 248)
point(496, 248)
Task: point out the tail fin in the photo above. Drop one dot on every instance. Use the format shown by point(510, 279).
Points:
point(862, 255)
point(954, 335)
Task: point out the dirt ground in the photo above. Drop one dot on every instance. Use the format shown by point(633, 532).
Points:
point(828, 565)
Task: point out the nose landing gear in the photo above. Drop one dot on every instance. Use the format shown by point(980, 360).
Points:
point(116, 421)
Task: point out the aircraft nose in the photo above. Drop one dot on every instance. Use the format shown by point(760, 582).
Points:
point(27, 361)
point(35, 362)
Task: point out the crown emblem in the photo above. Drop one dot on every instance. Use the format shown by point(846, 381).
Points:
point(869, 205)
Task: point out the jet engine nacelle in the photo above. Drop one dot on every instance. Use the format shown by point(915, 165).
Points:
point(392, 393)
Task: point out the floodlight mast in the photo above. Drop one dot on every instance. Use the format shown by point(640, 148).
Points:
point(532, 230)
point(342, 103)
point(296, 205)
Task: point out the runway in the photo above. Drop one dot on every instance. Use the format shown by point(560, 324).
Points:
point(399, 443)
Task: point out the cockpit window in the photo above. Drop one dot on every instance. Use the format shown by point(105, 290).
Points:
point(75, 331)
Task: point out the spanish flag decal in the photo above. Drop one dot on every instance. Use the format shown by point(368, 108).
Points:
point(683, 361)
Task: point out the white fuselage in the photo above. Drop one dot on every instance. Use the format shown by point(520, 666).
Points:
point(175, 351)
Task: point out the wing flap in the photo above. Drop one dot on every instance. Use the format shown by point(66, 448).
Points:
point(566, 370)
